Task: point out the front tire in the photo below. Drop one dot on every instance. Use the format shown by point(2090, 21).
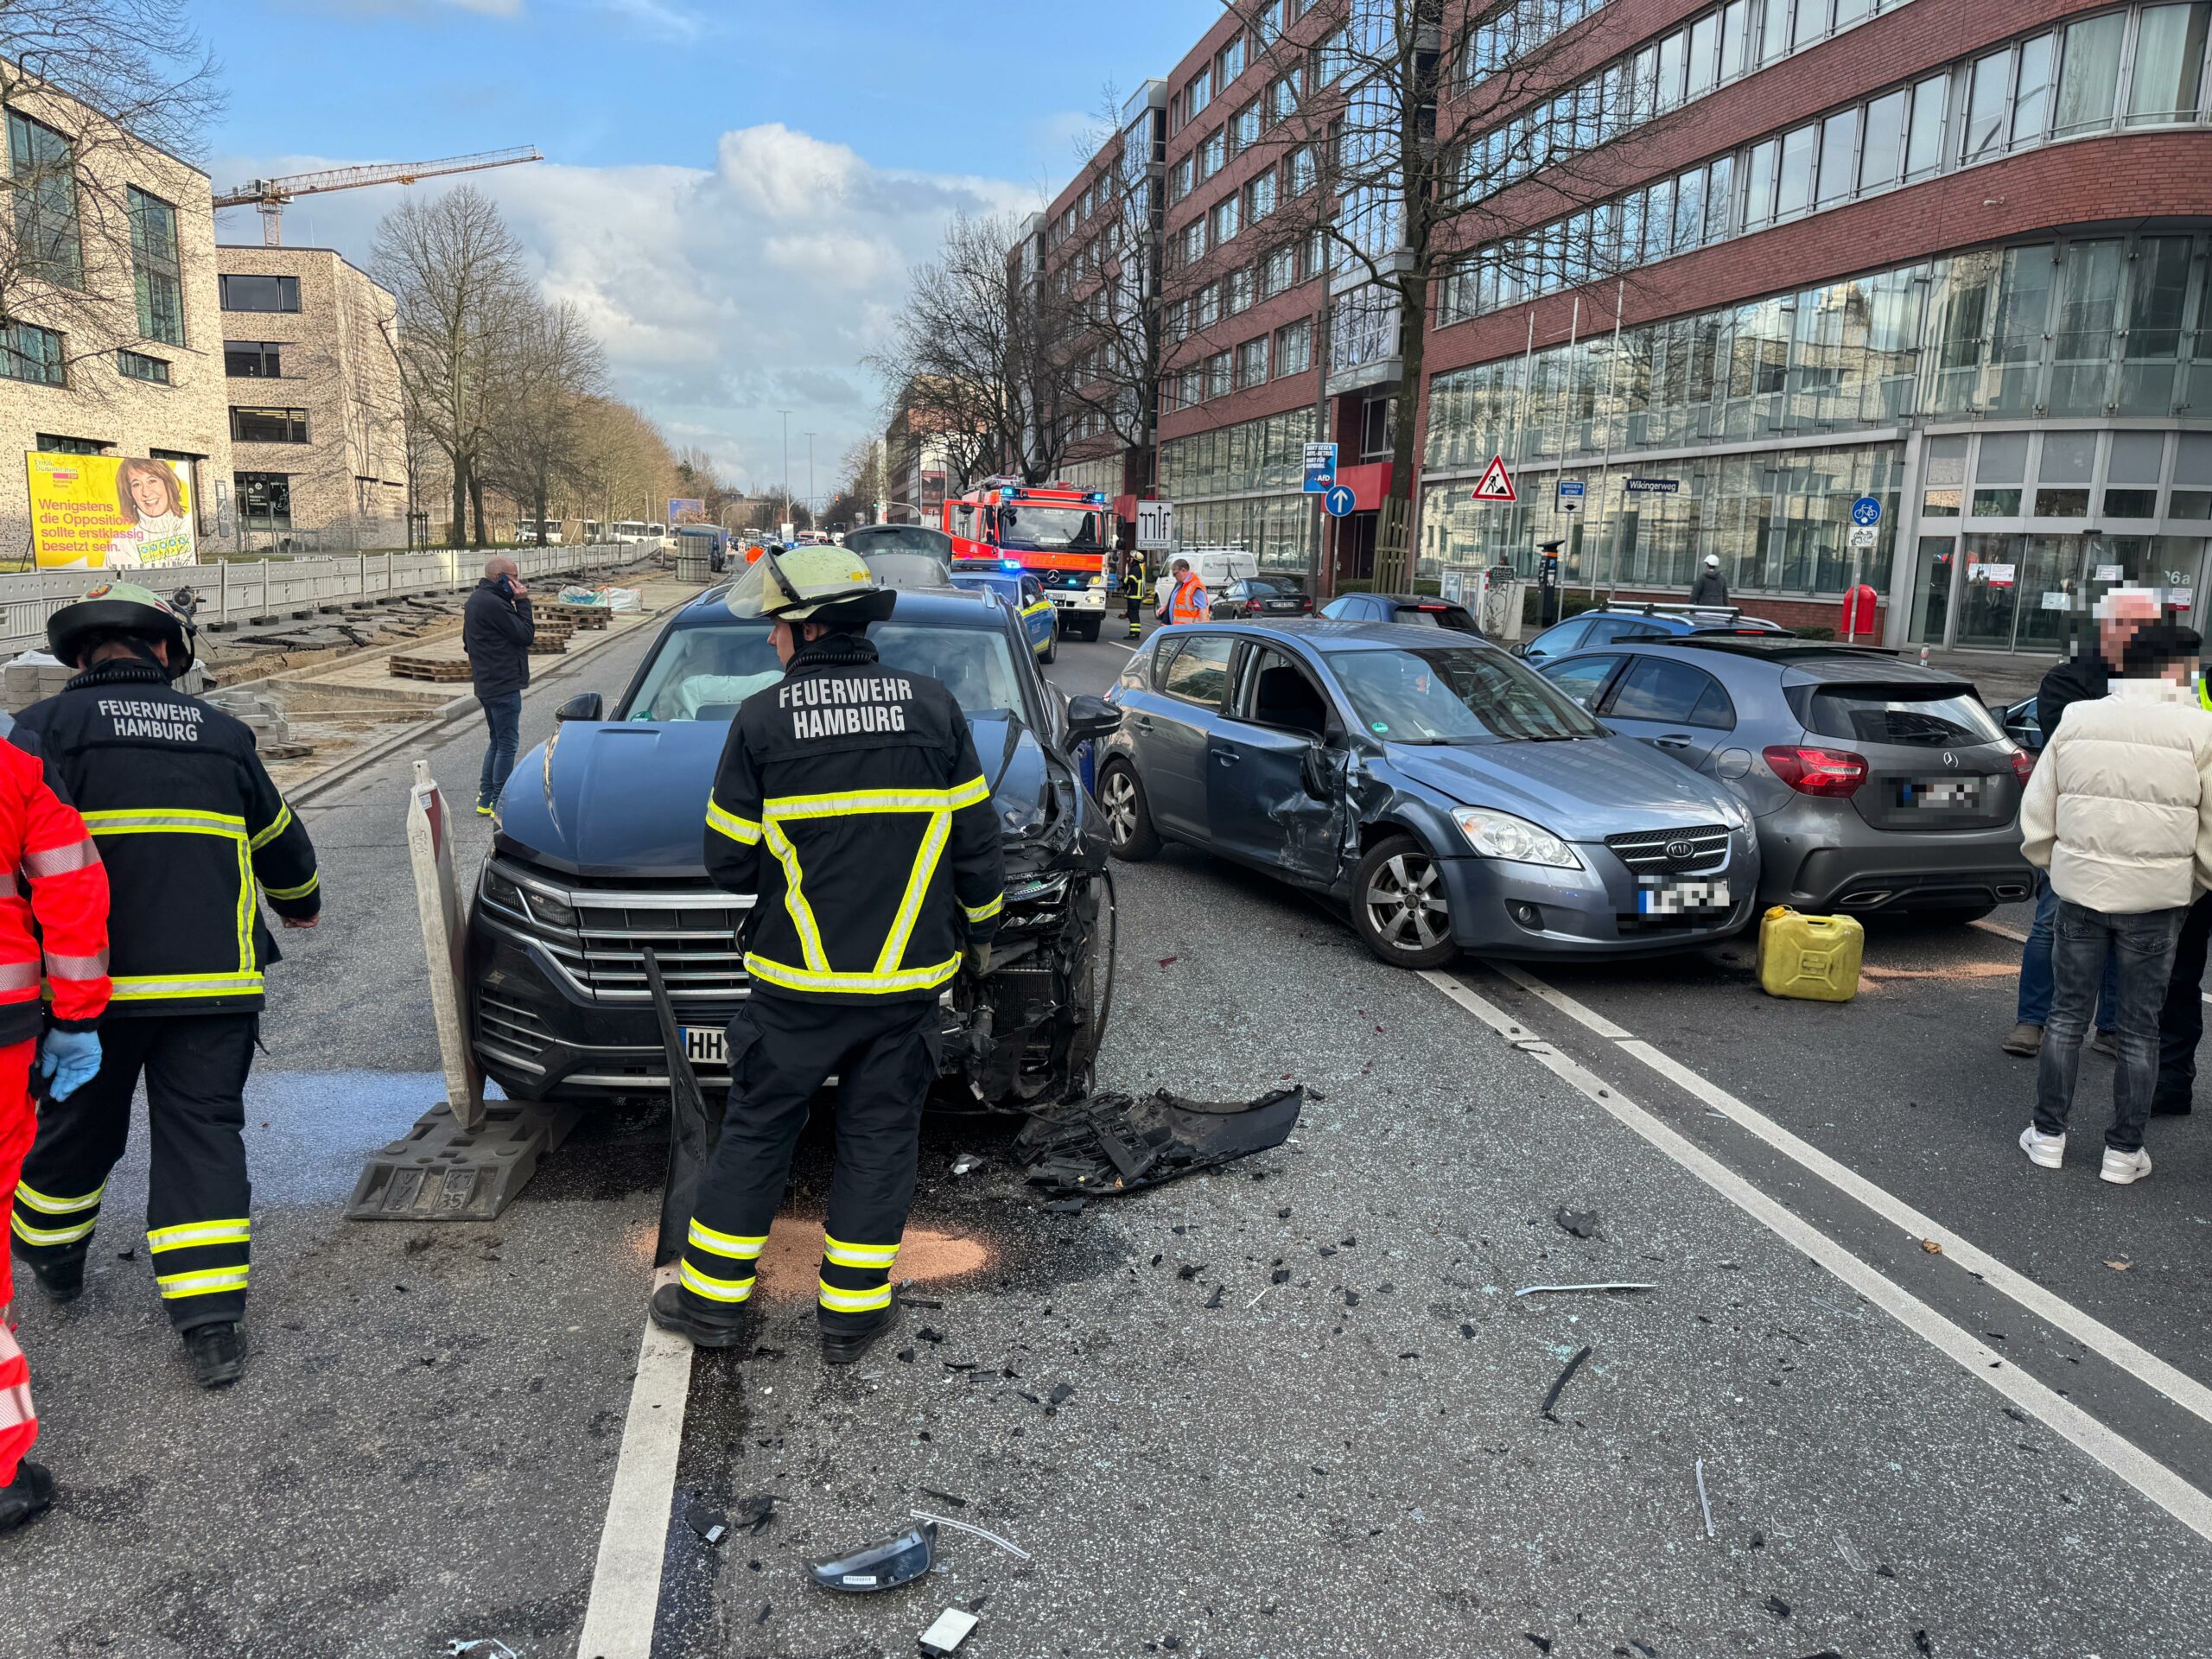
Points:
point(1089, 632)
point(1130, 833)
point(1052, 646)
point(1399, 908)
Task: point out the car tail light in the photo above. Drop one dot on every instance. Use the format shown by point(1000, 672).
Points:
point(1833, 772)
point(2023, 765)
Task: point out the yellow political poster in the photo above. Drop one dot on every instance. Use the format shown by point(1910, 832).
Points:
point(110, 513)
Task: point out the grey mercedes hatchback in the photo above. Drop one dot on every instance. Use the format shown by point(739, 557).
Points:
point(1876, 785)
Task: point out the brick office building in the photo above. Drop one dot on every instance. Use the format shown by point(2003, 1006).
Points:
point(1948, 254)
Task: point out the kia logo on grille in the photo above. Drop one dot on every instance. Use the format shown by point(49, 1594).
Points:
point(1681, 849)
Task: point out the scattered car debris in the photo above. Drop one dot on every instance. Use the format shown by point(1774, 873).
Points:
point(1920, 1641)
point(966, 1162)
point(767, 1608)
point(1214, 1301)
point(1583, 1224)
point(1114, 1143)
point(884, 1565)
point(1543, 1642)
point(490, 1646)
point(1704, 1503)
point(935, 1521)
point(951, 1628)
point(1558, 1382)
point(1062, 1393)
point(1545, 1290)
point(709, 1524)
point(944, 1497)
point(2120, 1267)
point(1777, 1606)
point(756, 1512)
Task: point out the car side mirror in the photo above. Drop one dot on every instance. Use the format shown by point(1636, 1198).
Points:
point(1321, 771)
point(585, 705)
point(1091, 718)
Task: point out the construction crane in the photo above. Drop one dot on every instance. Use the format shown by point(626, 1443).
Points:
point(270, 195)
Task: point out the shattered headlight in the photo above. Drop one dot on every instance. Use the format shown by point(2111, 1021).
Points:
point(1516, 841)
point(1038, 889)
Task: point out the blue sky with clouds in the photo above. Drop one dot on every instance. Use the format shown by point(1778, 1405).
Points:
point(734, 191)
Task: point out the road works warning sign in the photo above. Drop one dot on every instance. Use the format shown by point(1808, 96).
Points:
point(1498, 484)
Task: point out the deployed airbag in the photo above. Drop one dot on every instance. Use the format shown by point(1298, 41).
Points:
point(1111, 1143)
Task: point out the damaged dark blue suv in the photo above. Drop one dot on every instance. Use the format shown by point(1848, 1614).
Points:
point(598, 856)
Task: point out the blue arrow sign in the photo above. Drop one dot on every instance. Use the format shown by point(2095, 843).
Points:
point(1866, 510)
point(1339, 501)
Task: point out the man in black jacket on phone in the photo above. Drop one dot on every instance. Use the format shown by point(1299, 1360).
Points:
point(496, 631)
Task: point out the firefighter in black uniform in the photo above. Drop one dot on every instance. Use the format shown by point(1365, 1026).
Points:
point(189, 826)
point(881, 870)
point(1133, 593)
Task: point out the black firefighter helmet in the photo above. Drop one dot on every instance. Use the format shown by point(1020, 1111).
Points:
point(121, 607)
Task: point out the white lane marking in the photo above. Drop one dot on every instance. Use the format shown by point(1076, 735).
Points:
point(1118, 646)
point(2021, 939)
point(626, 1586)
point(1560, 999)
point(2184, 1502)
point(2136, 1360)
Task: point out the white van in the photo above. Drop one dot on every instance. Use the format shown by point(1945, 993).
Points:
point(1217, 567)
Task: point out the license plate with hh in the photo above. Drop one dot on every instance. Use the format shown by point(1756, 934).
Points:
point(706, 1046)
point(1938, 793)
point(1661, 899)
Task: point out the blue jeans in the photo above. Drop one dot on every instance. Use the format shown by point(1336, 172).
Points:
point(2034, 969)
point(503, 718)
point(2082, 942)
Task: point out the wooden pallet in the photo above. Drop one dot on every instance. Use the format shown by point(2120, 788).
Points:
point(440, 671)
point(580, 616)
point(549, 645)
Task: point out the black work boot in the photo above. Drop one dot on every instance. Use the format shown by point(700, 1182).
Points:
point(62, 1277)
point(31, 1490)
point(843, 1347)
point(218, 1354)
point(705, 1322)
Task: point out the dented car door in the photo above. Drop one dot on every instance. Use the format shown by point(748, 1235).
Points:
point(1274, 793)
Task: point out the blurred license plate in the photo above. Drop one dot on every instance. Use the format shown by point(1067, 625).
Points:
point(1963, 792)
point(1681, 896)
point(705, 1045)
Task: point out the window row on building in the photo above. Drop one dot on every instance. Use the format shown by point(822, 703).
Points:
point(1276, 271)
point(1711, 50)
point(2136, 66)
point(2086, 325)
point(1249, 363)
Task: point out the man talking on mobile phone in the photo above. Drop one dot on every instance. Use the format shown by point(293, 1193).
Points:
point(496, 631)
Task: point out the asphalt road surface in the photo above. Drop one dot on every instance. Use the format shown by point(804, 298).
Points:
point(1305, 1416)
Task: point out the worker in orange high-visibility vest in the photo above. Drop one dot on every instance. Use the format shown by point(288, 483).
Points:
point(1190, 602)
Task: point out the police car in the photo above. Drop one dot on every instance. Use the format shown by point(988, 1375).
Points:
point(1022, 594)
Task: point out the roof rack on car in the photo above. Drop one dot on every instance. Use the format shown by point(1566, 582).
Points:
point(1664, 607)
point(1771, 645)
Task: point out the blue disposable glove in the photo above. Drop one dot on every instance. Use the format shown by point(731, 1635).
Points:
point(69, 1060)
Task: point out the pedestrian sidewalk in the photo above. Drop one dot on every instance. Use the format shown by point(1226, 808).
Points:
point(2002, 678)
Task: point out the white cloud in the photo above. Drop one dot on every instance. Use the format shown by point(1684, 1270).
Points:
point(721, 295)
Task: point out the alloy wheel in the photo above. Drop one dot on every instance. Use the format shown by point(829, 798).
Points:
point(1405, 904)
point(1119, 797)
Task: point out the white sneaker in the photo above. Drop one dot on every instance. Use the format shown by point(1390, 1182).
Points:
point(2123, 1168)
point(2044, 1151)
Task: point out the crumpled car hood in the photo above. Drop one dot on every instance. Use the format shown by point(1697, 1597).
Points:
point(1585, 789)
point(629, 798)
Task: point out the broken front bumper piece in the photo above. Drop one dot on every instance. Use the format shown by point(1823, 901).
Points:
point(884, 1565)
point(1111, 1143)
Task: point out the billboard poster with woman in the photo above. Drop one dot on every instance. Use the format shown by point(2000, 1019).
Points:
point(112, 512)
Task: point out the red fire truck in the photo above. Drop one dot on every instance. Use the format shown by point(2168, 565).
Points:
point(1057, 534)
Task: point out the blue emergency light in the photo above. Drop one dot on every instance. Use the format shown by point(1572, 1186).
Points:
point(1011, 564)
point(1097, 498)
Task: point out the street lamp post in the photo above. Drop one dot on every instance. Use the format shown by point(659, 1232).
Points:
point(786, 414)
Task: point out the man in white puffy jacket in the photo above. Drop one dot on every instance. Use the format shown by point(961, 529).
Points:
point(2120, 812)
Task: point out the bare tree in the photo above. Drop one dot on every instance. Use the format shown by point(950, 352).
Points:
point(1413, 140)
point(457, 273)
point(543, 375)
point(980, 354)
point(88, 256)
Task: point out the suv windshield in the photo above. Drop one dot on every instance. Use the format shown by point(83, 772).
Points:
point(1922, 718)
point(1045, 529)
point(703, 671)
point(1445, 694)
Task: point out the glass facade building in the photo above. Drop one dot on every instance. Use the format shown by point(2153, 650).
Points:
point(2036, 420)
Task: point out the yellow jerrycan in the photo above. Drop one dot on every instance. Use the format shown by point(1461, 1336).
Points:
point(1815, 957)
